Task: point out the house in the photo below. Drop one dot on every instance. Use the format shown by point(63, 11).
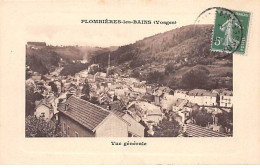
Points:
point(146, 111)
point(44, 110)
point(178, 104)
point(226, 99)
point(167, 101)
point(80, 118)
point(157, 97)
point(182, 94)
point(135, 129)
point(36, 77)
point(184, 116)
point(90, 78)
point(189, 106)
point(100, 76)
point(202, 97)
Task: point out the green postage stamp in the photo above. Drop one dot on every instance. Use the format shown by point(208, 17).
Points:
point(230, 31)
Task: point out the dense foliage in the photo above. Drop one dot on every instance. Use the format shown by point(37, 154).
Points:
point(85, 92)
point(40, 128)
point(73, 68)
point(53, 87)
point(42, 60)
point(195, 78)
point(167, 128)
point(225, 119)
point(202, 118)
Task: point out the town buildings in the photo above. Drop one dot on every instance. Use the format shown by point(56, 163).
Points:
point(121, 103)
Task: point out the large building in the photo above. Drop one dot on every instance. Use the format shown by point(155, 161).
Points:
point(226, 99)
point(80, 118)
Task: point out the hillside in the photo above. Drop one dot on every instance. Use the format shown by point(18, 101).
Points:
point(168, 58)
point(165, 58)
point(46, 59)
point(190, 42)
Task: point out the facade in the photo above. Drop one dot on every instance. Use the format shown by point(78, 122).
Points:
point(80, 118)
point(202, 97)
point(146, 111)
point(182, 94)
point(135, 129)
point(44, 111)
point(226, 99)
point(178, 105)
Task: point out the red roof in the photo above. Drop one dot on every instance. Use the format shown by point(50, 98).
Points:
point(87, 114)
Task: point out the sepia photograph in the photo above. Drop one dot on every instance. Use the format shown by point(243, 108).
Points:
point(144, 82)
point(167, 85)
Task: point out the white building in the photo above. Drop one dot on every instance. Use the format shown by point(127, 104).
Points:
point(226, 99)
point(202, 97)
point(181, 94)
point(44, 111)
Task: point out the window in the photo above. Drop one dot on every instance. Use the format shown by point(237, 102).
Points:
point(68, 131)
point(42, 115)
point(77, 134)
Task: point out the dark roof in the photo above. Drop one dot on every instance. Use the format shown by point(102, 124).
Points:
point(120, 114)
point(201, 92)
point(148, 97)
point(198, 131)
point(87, 114)
point(227, 93)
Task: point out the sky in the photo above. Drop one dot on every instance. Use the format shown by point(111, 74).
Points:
point(62, 26)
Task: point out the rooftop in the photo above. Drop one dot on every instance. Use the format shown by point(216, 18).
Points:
point(227, 93)
point(198, 131)
point(201, 92)
point(87, 114)
point(178, 102)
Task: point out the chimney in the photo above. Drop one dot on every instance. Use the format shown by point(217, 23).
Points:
point(66, 107)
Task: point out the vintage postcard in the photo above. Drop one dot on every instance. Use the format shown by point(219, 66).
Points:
point(141, 82)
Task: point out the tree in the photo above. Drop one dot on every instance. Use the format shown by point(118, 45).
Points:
point(94, 100)
point(85, 92)
point(135, 74)
point(40, 128)
point(202, 118)
point(73, 68)
point(155, 77)
point(30, 98)
point(167, 128)
point(38, 96)
point(53, 87)
point(195, 78)
point(225, 119)
point(169, 68)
